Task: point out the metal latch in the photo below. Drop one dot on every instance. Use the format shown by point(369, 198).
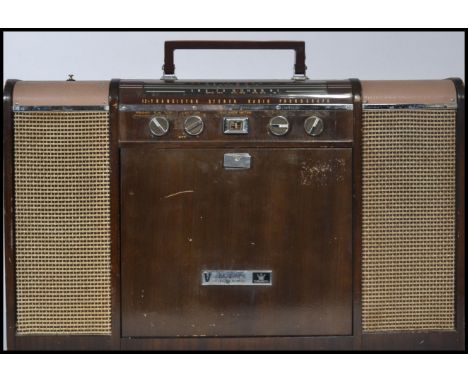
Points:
point(237, 161)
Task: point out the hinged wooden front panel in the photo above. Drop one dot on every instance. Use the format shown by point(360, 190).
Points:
point(183, 212)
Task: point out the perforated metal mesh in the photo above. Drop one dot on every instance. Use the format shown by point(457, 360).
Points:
point(62, 222)
point(408, 220)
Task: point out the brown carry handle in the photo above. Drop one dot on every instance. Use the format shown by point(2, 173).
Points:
point(171, 46)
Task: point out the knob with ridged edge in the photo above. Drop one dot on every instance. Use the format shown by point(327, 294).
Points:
point(278, 126)
point(313, 126)
point(193, 125)
point(159, 126)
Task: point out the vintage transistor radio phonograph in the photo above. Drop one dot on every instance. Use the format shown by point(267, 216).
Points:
point(234, 215)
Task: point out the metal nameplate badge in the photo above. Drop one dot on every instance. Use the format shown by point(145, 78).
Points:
point(236, 277)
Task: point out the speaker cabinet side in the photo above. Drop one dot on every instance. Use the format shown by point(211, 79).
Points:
point(60, 217)
point(411, 270)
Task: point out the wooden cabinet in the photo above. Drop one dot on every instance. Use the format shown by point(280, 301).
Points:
point(183, 212)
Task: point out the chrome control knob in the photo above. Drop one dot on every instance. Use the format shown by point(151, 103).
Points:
point(278, 125)
point(313, 126)
point(159, 126)
point(193, 125)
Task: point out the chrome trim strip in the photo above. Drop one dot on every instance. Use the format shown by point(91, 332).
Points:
point(299, 77)
point(165, 91)
point(240, 85)
point(188, 107)
point(409, 106)
point(168, 77)
point(17, 108)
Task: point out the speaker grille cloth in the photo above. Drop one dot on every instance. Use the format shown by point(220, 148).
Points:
point(62, 222)
point(408, 220)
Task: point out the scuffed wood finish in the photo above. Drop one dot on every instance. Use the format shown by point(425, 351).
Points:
point(411, 341)
point(182, 212)
point(357, 212)
point(460, 211)
point(8, 200)
point(66, 343)
point(115, 209)
point(256, 344)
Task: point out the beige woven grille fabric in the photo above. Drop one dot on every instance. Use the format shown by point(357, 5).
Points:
point(62, 222)
point(408, 262)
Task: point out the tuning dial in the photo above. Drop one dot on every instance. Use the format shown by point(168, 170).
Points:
point(159, 126)
point(313, 126)
point(278, 126)
point(193, 125)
